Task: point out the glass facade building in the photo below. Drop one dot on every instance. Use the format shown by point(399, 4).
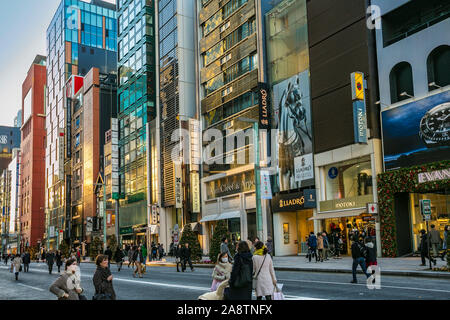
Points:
point(80, 36)
point(136, 94)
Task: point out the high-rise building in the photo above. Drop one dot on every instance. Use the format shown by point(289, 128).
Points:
point(80, 36)
point(18, 119)
point(136, 94)
point(32, 191)
point(232, 81)
point(176, 109)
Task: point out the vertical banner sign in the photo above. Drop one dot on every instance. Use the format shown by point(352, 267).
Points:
point(195, 185)
point(304, 168)
point(194, 145)
point(264, 106)
point(266, 190)
point(359, 107)
point(178, 186)
point(115, 183)
point(154, 214)
point(61, 154)
point(425, 209)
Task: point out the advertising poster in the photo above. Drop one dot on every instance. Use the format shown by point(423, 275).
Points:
point(417, 132)
point(292, 118)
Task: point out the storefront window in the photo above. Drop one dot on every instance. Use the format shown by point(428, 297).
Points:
point(348, 179)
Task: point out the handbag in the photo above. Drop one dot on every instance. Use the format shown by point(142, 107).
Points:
point(255, 278)
point(277, 293)
point(20, 269)
point(244, 277)
point(215, 284)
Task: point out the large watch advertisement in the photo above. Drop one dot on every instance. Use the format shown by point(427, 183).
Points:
point(417, 132)
point(292, 117)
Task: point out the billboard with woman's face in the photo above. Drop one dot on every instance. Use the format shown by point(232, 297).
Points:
point(417, 132)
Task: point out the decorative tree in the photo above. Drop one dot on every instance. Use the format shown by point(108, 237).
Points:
point(96, 248)
point(190, 237)
point(220, 231)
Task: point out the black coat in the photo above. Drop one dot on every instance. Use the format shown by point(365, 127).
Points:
point(135, 256)
point(424, 244)
point(108, 253)
point(119, 255)
point(26, 258)
point(50, 258)
point(241, 293)
point(58, 258)
point(101, 284)
point(177, 252)
point(185, 253)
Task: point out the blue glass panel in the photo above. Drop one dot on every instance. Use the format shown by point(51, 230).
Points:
point(75, 36)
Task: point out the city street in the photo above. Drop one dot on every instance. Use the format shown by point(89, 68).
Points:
point(164, 283)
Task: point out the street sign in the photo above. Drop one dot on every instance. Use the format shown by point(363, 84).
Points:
point(425, 209)
point(372, 208)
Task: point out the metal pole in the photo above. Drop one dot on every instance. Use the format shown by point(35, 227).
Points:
point(259, 221)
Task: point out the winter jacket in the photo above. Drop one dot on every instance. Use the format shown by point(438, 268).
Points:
point(224, 249)
point(319, 243)
point(356, 250)
point(66, 283)
point(185, 253)
point(266, 280)
point(326, 244)
point(118, 257)
point(435, 237)
point(101, 284)
point(269, 245)
point(312, 241)
point(177, 252)
point(50, 258)
point(424, 244)
point(244, 293)
point(108, 253)
point(222, 271)
point(17, 262)
point(58, 258)
point(371, 252)
point(26, 258)
point(138, 254)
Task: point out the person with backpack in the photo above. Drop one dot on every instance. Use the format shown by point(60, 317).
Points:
point(359, 255)
point(264, 273)
point(241, 279)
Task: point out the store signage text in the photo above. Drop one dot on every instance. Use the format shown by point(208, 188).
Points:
point(293, 202)
point(264, 106)
point(347, 204)
point(434, 176)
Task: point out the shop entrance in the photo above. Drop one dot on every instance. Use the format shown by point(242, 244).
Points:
point(304, 227)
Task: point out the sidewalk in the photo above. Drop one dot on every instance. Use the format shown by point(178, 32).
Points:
point(388, 266)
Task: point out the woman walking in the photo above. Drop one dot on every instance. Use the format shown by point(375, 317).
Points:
point(264, 273)
point(16, 263)
point(58, 258)
point(241, 274)
point(138, 259)
point(177, 253)
point(118, 256)
point(68, 285)
point(222, 271)
point(103, 280)
point(320, 246)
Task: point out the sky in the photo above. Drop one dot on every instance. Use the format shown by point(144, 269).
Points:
point(23, 26)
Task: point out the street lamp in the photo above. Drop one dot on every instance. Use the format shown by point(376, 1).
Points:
point(259, 222)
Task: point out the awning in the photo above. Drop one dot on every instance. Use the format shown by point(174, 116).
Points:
point(338, 214)
point(222, 216)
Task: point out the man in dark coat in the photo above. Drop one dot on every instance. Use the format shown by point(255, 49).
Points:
point(50, 259)
point(186, 257)
point(109, 254)
point(26, 261)
point(241, 275)
point(58, 258)
point(424, 248)
point(359, 255)
point(118, 257)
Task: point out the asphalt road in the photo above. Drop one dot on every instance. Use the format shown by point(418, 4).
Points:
point(164, 283)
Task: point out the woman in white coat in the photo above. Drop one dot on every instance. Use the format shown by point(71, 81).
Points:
point(263, 272)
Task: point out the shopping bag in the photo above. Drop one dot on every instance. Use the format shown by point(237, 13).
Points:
point(215, 284)
point(278, 294)
point(12, 268)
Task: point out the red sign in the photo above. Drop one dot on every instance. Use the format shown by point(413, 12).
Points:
point(74, 84)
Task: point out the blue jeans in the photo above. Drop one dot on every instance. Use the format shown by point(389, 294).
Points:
point(362, 263)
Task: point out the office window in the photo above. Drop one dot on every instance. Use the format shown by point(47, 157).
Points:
point(438, 65)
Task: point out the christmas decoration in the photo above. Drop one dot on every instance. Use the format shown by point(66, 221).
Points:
point(191, 237)
point(402, 180)
point(220, 231)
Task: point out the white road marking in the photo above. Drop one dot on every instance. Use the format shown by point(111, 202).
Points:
point(364, 285)
point(24, 285)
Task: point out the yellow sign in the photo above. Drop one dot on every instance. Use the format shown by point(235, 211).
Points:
point(358, 85)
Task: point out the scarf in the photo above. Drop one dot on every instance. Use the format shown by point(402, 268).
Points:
point(259, 252)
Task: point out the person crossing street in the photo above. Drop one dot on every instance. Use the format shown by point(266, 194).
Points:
point(58, 258)
point(50, 259)
point(26, 261)
point(16, 264)
point(186, 256)
point(118, 257)
point(359, 255)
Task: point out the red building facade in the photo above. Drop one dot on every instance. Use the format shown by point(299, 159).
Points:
point(32, 191)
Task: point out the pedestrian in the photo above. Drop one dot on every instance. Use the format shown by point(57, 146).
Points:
point(241, 275)
point(320, 246)
point(371, 259)
point(222, 270)
point(186, 257)
point(178, 259)
point(435, 240)
point(118, 257)
point(6, 258)
point(445, 243)
point(144, 253)
point(424, 248)
point(43, 255)
point(50, 259)
point(102, 280)
point(78, 254)
point(337, 241)
point(359, 255)
point(108, 253)
point(269, 245)
point(264, 273)
point(130, 256)
point(154, 251)
point(224, 248)
point(16, 264)
point(68, 285)
point(161, 251)
point(312, 245)
point(138, 259)
point(26, 261)
point(326, 245)
point(58, 258)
